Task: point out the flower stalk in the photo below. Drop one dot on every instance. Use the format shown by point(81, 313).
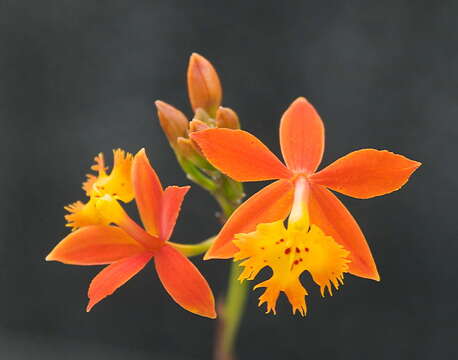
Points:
point(205, 95)
point(228, 194)
point(193, 249)
point(231, 313)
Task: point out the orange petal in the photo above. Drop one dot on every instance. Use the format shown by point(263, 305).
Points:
point(148, 192)
point(171, 204)
point(329, 214)
point(367, 173)
point(114, 276)
point(204, 87)
point(95, 245)
point(302, 137)
point(270, 204)
point(184, 283)
point(240, 155)
point(110, 209)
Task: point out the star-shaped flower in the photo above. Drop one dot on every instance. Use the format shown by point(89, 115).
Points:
point(126, 247)
point(322, 236)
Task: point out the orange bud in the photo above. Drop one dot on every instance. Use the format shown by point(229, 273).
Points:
point(201, 114)
point(204, 87)
point(197, 125)
point(190, 151)
point(173, 121)
point(227, 118)
point(186, 148)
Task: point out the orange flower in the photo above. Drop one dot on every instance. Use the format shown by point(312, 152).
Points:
point(322, 237)
point(127, 247)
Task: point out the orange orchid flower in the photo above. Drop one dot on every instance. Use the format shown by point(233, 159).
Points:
point(127, 247)
point(322, 237)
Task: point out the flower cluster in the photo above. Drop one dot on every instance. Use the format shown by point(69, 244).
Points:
point(205, 95)
point(291, 226)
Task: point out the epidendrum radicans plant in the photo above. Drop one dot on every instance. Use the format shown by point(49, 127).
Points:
point(293, 225)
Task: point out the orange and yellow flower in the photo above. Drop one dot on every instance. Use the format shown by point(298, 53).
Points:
point(322, 237)
point(111, 237)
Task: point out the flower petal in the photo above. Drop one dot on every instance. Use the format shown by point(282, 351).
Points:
point(80, 215)
point(184, 283)
point(171, 204)
point(240, 155)
point(95, 245)
point(270, 204)
point(111, 210)
point(148, 192)
point(329, 214)
point(367, 173)
point(118, 183)
point(302, 137)
point(114, 276)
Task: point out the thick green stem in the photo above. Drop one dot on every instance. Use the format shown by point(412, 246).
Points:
point(228, 193)
point(231, 315)
point(195, 174)
point(226, 206)
point(193, 249)
point(231, 310)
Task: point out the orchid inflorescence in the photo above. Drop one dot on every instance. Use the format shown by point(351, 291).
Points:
point(294, 225)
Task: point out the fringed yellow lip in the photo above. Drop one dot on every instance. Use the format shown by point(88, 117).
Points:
point(289, 252)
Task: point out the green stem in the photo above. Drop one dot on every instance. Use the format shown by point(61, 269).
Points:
point(232, 308)
point(228, 193)
point(231, 315)
point(195, 174)
point(193, 249)
point(226, 205)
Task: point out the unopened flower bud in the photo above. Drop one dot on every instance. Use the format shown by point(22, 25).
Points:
point(227, 118)
point(197, 125)
point(204, 87)
point(173, 122)
point(202, 115)
point(189, 151)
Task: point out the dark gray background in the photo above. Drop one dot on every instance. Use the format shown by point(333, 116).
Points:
point(79, 77)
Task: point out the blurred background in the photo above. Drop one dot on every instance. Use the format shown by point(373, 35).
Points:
point(80, 77)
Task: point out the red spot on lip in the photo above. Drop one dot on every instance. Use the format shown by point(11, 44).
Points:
point(287, 251)
point(306, 249)
point(298, 250)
